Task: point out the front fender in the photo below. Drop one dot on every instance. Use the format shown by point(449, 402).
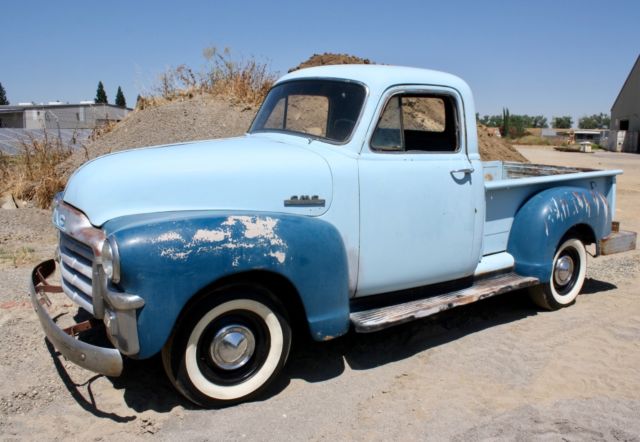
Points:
point(168, 258)
point(545, 218)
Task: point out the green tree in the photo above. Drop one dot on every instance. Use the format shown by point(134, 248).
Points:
point(564, 122)
point(524, 121)
point(595, 121)
point(3, 96)
point(491, 120)
point(506, 122)
point(101, 95)
point(120, 101)
point(518, 125)
point(539, 121)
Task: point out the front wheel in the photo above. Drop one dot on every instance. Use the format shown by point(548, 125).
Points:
point(228, 348)
point(567, 277)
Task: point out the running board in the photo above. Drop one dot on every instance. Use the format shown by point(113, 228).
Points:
point(375, 319)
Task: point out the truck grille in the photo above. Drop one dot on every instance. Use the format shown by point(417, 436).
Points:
point(76, 265)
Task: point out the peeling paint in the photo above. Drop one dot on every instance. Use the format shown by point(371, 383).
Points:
point(204, 235)
point(236, 233)
point(175, 254)
point(280, 256)
point(256, 227)
point(168, 236)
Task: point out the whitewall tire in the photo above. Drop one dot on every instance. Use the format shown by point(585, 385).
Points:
point(568, 273)
point(229, 347)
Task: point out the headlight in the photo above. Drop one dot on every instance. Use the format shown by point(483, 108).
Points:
point(110, 261)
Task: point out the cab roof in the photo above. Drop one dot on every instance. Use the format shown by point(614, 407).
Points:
point(380, 77)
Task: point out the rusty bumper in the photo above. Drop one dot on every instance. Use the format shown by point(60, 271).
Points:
point(107, 361)
point(618, 241)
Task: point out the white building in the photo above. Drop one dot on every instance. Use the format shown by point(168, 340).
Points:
point(55, 115)
point(625, 115)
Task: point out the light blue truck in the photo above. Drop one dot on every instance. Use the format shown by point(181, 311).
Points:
point(357, 199)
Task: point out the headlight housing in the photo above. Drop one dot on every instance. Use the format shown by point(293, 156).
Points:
point(111, 260)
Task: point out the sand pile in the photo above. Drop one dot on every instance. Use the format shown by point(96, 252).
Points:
point(328, 58)
point(492, 147)
point(199, 118)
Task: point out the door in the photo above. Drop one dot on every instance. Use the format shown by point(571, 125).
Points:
point(417, 202)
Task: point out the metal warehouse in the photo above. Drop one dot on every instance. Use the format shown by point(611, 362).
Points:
point(56, 115)
point(625, 115)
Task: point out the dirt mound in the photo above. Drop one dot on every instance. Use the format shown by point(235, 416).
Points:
point(329, 58)
point(493, 147)
point(199, 118)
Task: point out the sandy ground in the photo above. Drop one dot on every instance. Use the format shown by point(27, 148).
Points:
point(499, 369)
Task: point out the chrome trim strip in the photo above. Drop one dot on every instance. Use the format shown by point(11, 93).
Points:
point(74, 223)
point(115, 252)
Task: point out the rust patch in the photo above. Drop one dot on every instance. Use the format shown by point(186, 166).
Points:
point(12, 305)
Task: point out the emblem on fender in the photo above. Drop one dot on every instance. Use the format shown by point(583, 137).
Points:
point(304, 201)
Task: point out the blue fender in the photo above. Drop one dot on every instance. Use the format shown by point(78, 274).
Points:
point(545, 218)
point(167, 258)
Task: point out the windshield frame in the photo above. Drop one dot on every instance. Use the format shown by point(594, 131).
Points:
point(308, 135)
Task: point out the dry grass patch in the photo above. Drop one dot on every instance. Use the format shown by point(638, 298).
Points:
point(17, 257)
point(31, 175)
point(533, 140)
point(240, 81)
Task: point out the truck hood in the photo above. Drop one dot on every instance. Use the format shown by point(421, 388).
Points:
point(250, 173)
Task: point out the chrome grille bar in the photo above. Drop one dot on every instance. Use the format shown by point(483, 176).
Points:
point(77, 265)
point(76, 296)
point(77, 271)
point(76, 281)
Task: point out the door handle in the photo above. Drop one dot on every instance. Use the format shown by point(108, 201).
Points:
point(465, 171)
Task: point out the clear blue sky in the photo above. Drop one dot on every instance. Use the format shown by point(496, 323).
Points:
point(541, 57)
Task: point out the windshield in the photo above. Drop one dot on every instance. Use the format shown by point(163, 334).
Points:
point(326, 109)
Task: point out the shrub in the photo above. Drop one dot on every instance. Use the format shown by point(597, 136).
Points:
point(533, 141)
point(32, 174)
point(243, 81)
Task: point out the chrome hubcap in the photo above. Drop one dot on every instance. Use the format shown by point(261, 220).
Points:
point(563, 270)
point(232, 347)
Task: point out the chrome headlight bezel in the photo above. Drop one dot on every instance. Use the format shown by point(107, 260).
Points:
point(111, 260)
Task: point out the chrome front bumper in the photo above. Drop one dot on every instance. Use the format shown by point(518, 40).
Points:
point(107, 361)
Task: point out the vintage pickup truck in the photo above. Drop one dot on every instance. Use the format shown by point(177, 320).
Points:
point(357, 199)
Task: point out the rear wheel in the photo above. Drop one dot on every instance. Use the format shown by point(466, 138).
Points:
point(228, 348)
point(567, 277)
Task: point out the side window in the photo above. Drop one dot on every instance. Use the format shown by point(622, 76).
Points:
point(412, 122)
point(388, 133)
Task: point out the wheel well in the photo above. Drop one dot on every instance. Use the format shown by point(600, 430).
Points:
point(282, 289)
point(583, 232)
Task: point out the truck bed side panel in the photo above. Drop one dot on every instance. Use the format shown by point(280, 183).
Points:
point(504, 197)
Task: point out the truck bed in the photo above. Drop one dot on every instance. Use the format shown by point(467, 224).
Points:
point(508, 185)
point(502, 171)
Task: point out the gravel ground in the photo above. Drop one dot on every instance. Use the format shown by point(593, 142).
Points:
point(498, 370)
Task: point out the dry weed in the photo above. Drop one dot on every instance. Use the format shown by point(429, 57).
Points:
point(32, 174)
point(20, 256)
point(242, 81)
